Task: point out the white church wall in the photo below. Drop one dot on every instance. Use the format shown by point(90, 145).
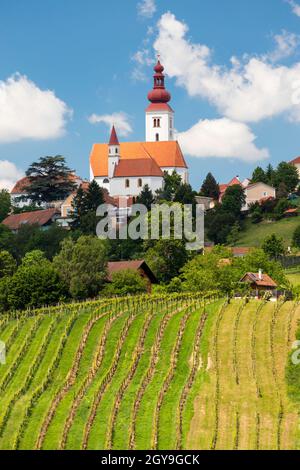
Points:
point(118, 185)
point(183, 172)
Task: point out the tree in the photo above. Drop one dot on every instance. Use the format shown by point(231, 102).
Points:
point(270, 175)
point(146, 197)
point(5, 204)
point(257, 259)
point(233, 236)
point(287, 174)
point(280, 208)
point(85, 205)
point(282, 192)
point(256, 215)
point(219, 225)
point(6, 238)
point(273, 246)
point(49, 180)
point(171, 184)
point(8, 264)
point(210, 188)
point(209, 272)
point(185, 195)
point(82, 265)
point(296, 237)
point(234, 200)
point(166, 258)
point(126, 282)
point(32, 237)
point(33, 285)
point(259, 176)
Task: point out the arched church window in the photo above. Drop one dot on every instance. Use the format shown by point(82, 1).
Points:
point(127, 183)
point(158, 122)
point(105, 181)
point(157, 137)
point(116, 150)
point(154, 123)
point(140, 182)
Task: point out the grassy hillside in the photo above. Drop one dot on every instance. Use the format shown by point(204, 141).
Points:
point(144, 373)
point(254, 234)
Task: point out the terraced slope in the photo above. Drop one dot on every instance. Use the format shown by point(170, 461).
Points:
point(149, 373)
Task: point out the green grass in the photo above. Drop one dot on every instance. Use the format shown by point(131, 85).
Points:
point(254, 234)
point(293, 275)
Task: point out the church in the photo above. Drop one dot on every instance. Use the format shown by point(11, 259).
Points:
point(124, 168)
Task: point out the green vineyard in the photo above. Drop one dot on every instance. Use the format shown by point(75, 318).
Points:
point(172, 372)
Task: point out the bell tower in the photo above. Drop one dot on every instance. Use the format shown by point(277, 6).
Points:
point(159, 115)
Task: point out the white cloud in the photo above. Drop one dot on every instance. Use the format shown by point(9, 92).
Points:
point(286, 45)
point(221, 138)
point(249, 90)
point(27, 112)
point(119, 120)
point(295, 7)
point(142, 58)
point(9, 174)
point(146, 8)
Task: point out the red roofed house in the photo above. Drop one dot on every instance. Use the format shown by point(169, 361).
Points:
point(260, 283)
point(296, 163)
point(140, 266)
point(255, 192)
point(19, 191)
point(125, 168)
point(43, 219)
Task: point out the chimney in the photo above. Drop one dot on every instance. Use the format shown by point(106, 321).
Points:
point(260, 275)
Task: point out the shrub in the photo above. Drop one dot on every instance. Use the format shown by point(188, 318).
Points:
point(126, 282)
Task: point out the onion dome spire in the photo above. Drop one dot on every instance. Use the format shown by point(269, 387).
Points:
point(113, 137)
point(159, 94)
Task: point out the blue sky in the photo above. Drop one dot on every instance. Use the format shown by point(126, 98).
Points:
point(96, 56)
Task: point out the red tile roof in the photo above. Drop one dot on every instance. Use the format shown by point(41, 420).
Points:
point(20, 185)
point(291, 211)
point(113, 137)
point(296, 161)
point(43, 217)
point(158, 107)
point(138, 167)
point(265, 281)
point(233, 182)
point(165, 154)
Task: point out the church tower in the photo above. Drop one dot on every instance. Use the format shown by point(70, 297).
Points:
point(159, 115)
point(113, 152)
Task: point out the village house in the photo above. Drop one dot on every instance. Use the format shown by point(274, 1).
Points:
point(255, 192)
point(139, 266)
point(43, 219)
point(20, 198)
point(260, 283)
point(296, 163)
